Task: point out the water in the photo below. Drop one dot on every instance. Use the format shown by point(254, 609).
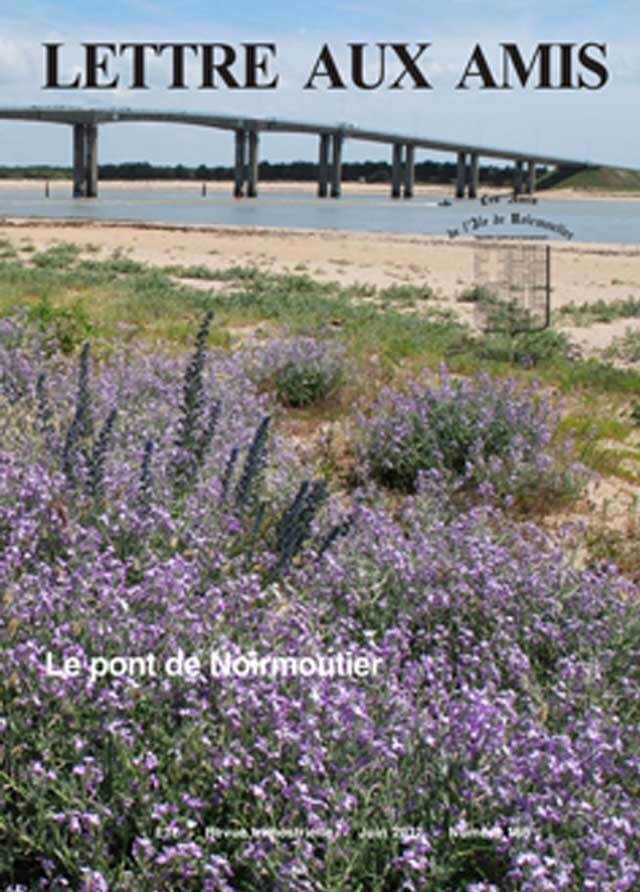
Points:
point(616, 221)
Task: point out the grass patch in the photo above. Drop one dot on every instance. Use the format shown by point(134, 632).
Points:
point(306, 306)
point(600, 311)
point(112, 295)
point(601, 427)
point(199, 271)
point(592, 436)
point(592, 374)
point(56, 257)
point(626, 347)
point(406, 294)
point(7, 251)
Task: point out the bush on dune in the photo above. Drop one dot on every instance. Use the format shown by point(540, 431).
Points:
point(479, 436)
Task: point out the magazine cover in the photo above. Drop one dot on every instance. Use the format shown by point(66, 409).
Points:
point(319, 447)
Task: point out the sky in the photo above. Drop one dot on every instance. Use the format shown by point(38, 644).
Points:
point(596, 125)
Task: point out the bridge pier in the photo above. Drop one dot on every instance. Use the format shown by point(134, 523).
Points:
point(517, 179)
point(79, 161)
point(396, 169)
point(531, 177)
point(336, 165)
point(252, 172)
point(474, 176)
point(409, 170)
point(239, 174)
point(92, 160)
point(461, 174)
point(85, 160)
point(323, 165)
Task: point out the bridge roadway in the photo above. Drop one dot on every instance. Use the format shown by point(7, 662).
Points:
point(85, 122)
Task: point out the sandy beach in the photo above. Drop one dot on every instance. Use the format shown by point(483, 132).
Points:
point(580, 272)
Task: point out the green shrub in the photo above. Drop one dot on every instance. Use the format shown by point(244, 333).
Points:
point(528, 348)
point(480, 435)
point(64, 328)
point(302, 385)
point(302, 370)
point(57, 257)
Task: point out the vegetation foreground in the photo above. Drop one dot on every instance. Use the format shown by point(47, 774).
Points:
point(153, 509)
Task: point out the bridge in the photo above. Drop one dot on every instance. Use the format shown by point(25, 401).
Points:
point(247, 132)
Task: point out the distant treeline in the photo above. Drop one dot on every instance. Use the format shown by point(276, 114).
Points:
point(352, 171)
point(41, 172)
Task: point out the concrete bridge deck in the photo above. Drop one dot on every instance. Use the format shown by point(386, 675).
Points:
point(247, 130)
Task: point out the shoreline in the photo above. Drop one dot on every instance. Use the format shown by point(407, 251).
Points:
point(309, 187)
point(283, 232)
